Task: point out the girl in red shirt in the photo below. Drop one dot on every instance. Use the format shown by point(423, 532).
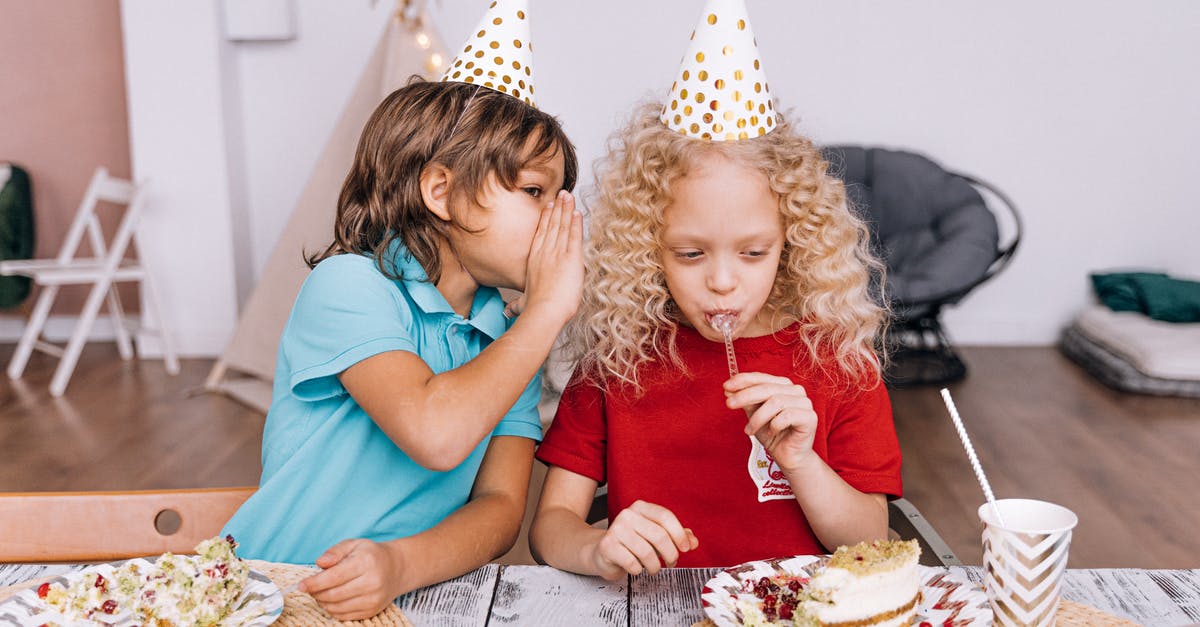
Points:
point(797, 453)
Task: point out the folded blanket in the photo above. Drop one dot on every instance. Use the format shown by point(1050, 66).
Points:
point(1115, 371)
point(1153, 293)
point(1155, 348)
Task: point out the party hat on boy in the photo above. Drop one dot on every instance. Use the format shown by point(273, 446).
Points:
point(498, 54)
point(721, 92)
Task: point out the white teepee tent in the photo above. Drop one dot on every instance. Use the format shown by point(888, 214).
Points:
point(246, 369)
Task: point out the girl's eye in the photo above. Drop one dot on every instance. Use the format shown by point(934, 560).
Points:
point(755, 253)
point(533, 191)
point(688, 254)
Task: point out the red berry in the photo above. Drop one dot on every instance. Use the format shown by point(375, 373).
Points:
point(785, 611)
point(101, 582)
point(769, 600)
point(794, 585)
point(925, 623)
point(43, 590)
point(109, 606)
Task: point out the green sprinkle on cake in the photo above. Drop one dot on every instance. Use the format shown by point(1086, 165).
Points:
point(876, 556)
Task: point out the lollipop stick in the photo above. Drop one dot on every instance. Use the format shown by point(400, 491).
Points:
point(724, 323)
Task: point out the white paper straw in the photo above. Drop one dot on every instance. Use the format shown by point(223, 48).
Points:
point(966, 442)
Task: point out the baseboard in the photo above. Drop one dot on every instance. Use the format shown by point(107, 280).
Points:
point(149, 345)
point(58, 329)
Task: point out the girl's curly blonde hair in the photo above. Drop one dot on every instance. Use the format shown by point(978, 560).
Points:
point(627, 318)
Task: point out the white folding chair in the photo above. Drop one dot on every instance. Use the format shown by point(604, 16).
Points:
point(107, 267)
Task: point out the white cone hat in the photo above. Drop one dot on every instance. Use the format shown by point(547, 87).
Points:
point(721, 91)
point(498, 54)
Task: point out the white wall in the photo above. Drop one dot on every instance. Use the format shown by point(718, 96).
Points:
point(227, 132)
point(1084, 112)
point(291, 94)
point(176, 81)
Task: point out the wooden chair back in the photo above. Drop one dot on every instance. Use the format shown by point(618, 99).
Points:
point(101, 526)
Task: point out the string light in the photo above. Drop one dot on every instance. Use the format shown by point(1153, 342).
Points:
point(410, 13)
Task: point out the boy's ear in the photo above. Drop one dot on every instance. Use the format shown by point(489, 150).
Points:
point(435, 189)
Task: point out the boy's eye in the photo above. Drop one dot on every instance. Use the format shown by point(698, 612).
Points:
point(533, 191)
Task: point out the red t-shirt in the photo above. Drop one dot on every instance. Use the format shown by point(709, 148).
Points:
point(679, 446)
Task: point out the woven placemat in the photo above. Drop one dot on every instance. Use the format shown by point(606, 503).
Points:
point(299, 609)
point(1070, 613)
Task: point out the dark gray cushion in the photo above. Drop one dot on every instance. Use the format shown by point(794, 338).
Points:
point(932, 228)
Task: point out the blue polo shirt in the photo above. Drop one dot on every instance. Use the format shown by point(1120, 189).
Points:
point(329, 472)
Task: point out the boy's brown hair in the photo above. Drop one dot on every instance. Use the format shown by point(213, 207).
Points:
point(471, 130)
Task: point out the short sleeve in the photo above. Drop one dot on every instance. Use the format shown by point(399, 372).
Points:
point(523, 419)
point(862, 445)
point(346, 311)
point(577, 439)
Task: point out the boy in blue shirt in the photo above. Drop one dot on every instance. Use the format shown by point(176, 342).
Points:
point(400, 439)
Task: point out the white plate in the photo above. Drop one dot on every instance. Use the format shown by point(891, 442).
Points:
point(946, 599)
point(25, 609)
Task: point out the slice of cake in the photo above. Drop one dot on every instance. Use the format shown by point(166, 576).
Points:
point(174, 590)
point(193, 590)
point(868, 584)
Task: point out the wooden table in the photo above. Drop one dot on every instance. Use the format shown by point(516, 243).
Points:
point(539, 595)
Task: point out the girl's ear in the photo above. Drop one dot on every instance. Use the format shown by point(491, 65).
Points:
point(435, 189)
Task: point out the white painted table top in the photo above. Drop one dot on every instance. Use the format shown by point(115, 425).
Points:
point(540, 595)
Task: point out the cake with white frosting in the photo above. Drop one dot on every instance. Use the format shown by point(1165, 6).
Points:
point(868, 584)
point(178, 590)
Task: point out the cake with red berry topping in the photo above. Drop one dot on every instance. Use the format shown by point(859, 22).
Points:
point(180, 590)
point(870, 584)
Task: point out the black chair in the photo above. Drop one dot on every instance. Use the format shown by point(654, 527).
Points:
point(939, 238)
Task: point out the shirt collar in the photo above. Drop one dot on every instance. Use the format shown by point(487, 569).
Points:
point(487, 310)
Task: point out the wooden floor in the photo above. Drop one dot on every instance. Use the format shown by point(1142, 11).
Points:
point(1127, 465)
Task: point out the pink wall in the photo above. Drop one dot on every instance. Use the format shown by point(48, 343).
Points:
point(62, 111)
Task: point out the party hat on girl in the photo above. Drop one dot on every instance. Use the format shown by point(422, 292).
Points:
point(498, 54)
point(721, 91)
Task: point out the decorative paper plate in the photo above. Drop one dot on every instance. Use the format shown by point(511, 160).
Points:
point(25, 609)
point(946, 599)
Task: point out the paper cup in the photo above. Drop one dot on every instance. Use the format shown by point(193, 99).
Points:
point(1024, 559)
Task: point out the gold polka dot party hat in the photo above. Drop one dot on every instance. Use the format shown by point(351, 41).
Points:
point(721, 92)
point(498, 54)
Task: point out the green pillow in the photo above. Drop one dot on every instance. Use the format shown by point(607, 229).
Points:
point(1169, 299)
point(1155, 294)
point(1119, 290)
